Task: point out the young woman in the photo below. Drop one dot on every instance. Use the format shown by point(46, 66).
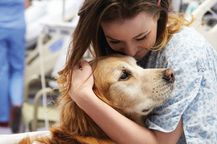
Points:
point(144, 29)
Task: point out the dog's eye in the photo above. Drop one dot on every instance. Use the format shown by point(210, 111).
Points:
point(125, 75)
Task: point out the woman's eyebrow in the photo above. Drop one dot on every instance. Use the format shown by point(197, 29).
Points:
point(112, 38)
point(141, 34)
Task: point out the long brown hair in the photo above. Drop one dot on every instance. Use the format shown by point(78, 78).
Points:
point(88, 32)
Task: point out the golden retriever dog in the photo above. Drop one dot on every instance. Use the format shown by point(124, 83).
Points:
point(122, 84)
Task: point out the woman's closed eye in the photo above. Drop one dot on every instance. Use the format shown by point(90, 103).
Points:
point(142, 38)
point(114, 42)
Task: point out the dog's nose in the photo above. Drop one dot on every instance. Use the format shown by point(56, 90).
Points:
point(168, 75)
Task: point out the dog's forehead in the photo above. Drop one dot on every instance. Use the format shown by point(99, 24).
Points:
point(114, 65)
point(130, 60)
point(109, 69)
point(119, 60)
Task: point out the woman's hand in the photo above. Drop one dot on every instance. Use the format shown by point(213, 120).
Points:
point(81, 82)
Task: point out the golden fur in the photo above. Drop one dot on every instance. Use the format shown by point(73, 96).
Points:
point(122, 84)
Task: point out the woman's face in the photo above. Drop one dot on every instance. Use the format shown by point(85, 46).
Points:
point(134, 36)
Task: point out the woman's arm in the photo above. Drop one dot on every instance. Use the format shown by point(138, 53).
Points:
point(118, 127)
point(123, 130)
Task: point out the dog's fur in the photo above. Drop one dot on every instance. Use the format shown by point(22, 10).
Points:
point(122, 84)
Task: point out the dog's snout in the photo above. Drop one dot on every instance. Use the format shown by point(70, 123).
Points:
point(168, 75)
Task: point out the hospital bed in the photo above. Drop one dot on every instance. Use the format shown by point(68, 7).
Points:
point(44, 61)
point(54, 39)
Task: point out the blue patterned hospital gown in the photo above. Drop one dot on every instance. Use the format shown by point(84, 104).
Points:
point(194, 99)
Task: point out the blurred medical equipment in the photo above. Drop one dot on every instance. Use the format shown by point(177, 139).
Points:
point(54, 39)
point(176, 5)
point(210, 17)
point(50, 23)
point(209, 32)
point(43, 11)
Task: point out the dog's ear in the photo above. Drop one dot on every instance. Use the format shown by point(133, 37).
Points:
point(106, 99)
point(101, 96)
point(99, 92)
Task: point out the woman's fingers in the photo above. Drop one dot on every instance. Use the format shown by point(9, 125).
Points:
point(81, 72)
point(82, 80)
point(83, 67)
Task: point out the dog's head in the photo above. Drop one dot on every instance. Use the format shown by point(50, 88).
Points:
point(132, 90)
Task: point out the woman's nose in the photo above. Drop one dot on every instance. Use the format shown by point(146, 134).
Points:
point(131, 50)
